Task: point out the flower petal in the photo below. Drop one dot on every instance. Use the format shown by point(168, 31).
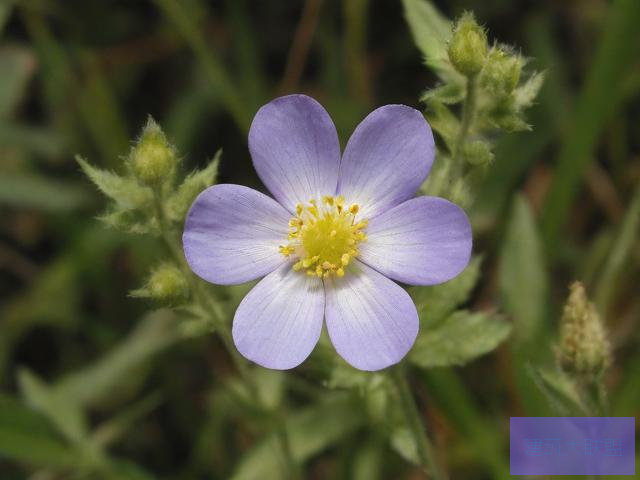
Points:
point(386, 159)
point(279, 321)
point(232, 234)
point(423, 241)
point(371, 320)
point(295, 149)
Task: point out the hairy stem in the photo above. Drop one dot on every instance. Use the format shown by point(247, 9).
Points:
point(202, 299)
point(426, 452)
point(468, 116)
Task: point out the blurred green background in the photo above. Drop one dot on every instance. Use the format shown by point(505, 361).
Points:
point(82, 76)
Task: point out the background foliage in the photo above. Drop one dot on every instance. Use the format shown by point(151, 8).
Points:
point(97, 384)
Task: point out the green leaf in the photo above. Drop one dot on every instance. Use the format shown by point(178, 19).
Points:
point(41, 193)
point(125, 191)
point(180, 202)
point(134, 222)
point(17, 64)
point(449, 94)
point(560, 391)
point(527, 93)
point(311, 430)
point(444, 122)
point(27, 436)
point(403, 442)
point(431, 32)
point(523, 278)
point(459, 339)
point(112, 376)
point(62, 410)
point(436, 303)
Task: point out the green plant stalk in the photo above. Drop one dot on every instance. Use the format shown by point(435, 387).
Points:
point(291, 467)
point(426, 452)
point(468, 117)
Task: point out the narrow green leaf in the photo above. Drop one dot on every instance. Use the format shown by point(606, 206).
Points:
point(527, 92)
point(431, 32)
point(602, 95)
point(180, 202)
point(443, 122)
point(61, 410)
point(459, 339)
point(17, 64)
point(523, 277)
point(41, 193)
point(559, 390)
point(403, 442)
point(125, 191)
point(27, 436)
point(108, 378)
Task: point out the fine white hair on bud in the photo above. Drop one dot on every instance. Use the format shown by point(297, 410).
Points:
point(153, 160)
point(468, 47)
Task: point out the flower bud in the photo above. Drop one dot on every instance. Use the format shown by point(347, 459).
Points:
point(153, 159)
point(502, 71)
point(584, 348)
point(166, 284)
point(468, 46)
point(477, 152)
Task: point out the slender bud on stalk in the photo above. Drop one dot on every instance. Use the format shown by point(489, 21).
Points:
point(153, 159)
point(468, 47)
point(584, 348)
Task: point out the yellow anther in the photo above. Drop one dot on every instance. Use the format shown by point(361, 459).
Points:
point(286, 250)
point(324, 236)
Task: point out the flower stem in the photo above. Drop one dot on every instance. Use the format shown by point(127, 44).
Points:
point(426, 452)
point(200, 296)
point(468, 116)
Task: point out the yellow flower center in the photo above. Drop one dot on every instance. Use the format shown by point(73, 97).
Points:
point(324, 237)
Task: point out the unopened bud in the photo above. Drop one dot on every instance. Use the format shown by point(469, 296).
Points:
point(502, 71)
point(153, 159)
point(477, 153)
point(584, 348)
point(468, 47)
point(166, 284)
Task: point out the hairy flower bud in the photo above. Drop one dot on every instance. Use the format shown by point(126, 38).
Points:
point(501, 73)
point(468, 47)
point(153, 159)
point(166, 284)
point(477, 152)
point(584, 347)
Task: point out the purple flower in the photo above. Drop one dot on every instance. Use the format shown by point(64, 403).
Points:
point(340, 229)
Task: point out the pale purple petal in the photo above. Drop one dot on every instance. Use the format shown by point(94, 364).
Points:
point(232, 234)
point(295, 149)
point(423, 241)
point(372, 321)
point(386, 159)
point(279, 321)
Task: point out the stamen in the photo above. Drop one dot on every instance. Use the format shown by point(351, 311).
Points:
point(323, 236)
